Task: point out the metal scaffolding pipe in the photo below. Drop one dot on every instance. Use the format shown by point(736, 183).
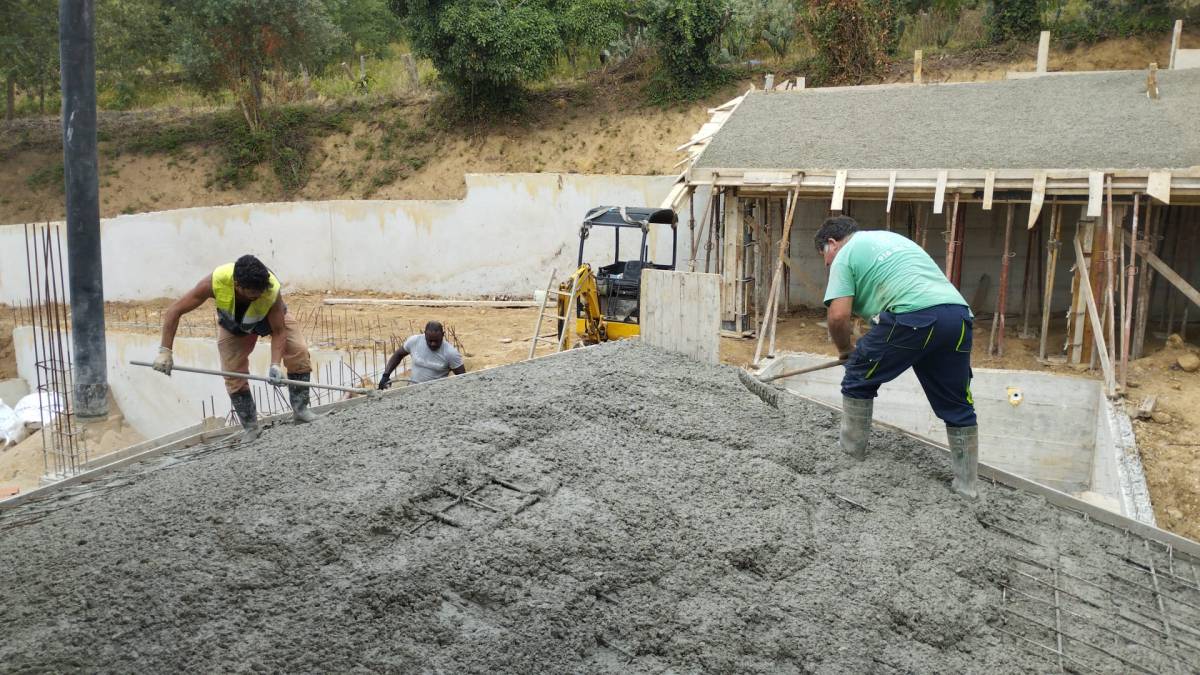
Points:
point(76, 34)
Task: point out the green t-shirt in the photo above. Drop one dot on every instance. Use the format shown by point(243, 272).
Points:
point(885, 271)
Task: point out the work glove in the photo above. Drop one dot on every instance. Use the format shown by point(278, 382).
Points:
point(275, 375)
point(165, 361)
point(385, 382)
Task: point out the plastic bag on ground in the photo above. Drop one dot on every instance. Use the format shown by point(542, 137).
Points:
point(12, 429)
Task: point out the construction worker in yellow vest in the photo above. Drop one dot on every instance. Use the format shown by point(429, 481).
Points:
point(249, 305)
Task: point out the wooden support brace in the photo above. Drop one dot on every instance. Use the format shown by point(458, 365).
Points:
point(939, 193)
point(1176, 34)
point(839, 191)
point(891, 192)
point(1036, 199)
point(989, 189)
point(1158, 185)
point(1169, 274)
point(1043, 54)
point(1110, 382)
point(1051, 264)
point(918, 57)
point(1095, 203)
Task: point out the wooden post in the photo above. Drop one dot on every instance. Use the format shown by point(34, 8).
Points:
point(1052, 247)
point(1079, 337)
point(918, 57)
point(996, 343)
point(1110, 384)
point(1142, 313)
point(1109, 276)
point(1026, 291)
point(960, 240)
point(1127, 300)
point(692, 228)
point(1043, 55)
point(772, 308)
point(951, 238)
point(1152, 82)
point(1176, 34)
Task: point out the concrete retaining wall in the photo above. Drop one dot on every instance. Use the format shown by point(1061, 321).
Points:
point(1062, 433)
point(503, 238)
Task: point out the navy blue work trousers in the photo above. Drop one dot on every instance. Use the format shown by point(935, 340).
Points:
point(934, 342)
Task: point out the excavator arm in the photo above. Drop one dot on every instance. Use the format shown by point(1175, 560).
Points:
point(587, 295)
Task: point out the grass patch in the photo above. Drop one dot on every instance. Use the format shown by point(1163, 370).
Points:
point(47, 177)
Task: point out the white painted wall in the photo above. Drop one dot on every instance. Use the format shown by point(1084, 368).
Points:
point(502, 238)
point(156, 404)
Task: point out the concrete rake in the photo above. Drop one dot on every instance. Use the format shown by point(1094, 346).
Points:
point(770, 394)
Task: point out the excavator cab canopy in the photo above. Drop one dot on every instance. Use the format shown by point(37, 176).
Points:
point(619, 283)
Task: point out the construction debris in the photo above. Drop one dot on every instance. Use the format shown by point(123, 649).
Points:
point(659, 518)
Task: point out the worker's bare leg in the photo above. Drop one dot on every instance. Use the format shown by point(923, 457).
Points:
point(235, 357)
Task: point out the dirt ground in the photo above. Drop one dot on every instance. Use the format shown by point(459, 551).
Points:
point(715, 534)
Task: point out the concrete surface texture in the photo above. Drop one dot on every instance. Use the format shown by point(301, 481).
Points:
point(504, 237)
point(1087, 121)
point(633, 511)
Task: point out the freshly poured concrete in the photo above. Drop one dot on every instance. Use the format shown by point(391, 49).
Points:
point(670, 521)
point(1059, 431)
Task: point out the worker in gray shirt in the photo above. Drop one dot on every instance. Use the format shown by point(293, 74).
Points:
point(432, 357)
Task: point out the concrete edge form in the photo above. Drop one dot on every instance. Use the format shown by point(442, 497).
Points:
point(1135, 495)
point(1052, 496)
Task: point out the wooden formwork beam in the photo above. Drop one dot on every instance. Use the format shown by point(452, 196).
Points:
point(1052, 247)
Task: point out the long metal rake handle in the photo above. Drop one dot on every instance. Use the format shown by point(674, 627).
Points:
point(801, 371)
point(247, 376)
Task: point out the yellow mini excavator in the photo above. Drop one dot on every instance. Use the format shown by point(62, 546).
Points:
point(608, 300)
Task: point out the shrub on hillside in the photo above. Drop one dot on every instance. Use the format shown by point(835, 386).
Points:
point(486, 51)
point(852, 38)
point(686, 35)
point(1013, 20)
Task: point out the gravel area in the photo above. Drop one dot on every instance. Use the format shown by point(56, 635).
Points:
point(1087, 121)
point(629, 511)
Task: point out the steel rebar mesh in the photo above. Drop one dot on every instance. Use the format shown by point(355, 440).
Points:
point(64, 447)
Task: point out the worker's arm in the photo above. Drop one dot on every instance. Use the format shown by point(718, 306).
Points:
point(392, 364)
point(190, 300)
point(275, 319)
point(838, 319)
point(459, 370)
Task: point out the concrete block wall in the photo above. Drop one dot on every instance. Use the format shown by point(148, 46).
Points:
point(503, 238)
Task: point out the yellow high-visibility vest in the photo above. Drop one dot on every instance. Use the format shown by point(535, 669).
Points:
point(254, 320)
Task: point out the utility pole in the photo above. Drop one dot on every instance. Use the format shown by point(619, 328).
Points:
point(77, 47)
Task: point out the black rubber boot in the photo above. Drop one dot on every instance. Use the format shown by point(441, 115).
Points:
point(247, 412)
point(298, 397)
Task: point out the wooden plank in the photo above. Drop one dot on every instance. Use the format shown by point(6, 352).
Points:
point(1036, 199)
point(1043, 53)
point(1176, 34)
point(1110, 382)
point(891, 193)
point(681, 311)
point(918, 58)
point(1158, 185)
point(839, 191)
point(1169, 274)
point(989, 189)
point(939, 192)
point(1146, 407)
point(430, 302)
point(1095, 205)
point(1048, 289)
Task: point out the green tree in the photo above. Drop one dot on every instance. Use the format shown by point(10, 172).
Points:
point(133, 40)
point(686, 34)
point(781, 20)
point(586, 25)
point(369, 25)
point(1013, 20)
point(234, 43)
point(486, 51)
point(28, 49)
